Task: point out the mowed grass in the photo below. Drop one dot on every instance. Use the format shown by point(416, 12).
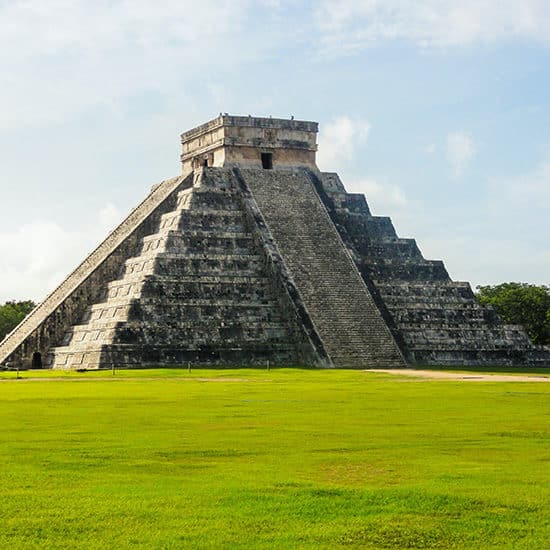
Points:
point(285, 458)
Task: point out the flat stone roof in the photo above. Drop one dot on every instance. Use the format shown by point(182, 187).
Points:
point(251, 122)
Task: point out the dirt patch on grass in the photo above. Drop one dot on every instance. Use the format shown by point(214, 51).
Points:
point(465, 377)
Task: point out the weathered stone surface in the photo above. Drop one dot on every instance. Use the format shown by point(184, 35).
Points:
point(198, 292)
point(255, 256)
point(338, 301)
point(240, 141)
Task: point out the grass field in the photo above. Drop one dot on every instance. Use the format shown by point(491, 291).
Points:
point(285, 458)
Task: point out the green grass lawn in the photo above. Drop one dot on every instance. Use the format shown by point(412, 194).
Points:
point(285, 458)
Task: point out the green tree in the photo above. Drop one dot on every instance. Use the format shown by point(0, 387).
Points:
point(521, 304)
point(12, 313)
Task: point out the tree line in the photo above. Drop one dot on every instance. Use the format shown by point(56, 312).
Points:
point(517, 303)
point(521, 304)
point(12, 313)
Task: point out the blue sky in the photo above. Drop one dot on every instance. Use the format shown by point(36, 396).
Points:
point(438, 111)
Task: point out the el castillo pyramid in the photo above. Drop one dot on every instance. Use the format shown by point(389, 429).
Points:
point(252, 256)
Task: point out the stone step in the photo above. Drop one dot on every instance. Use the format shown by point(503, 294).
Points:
point(211, 264)
point(193, 263)
point(192, 333)
point(410, 271)
point(450, 316)
point(481, 357)
point(190, 309)
point(192, 287)
point(461, 337)
point(209, 243)
point(203, 219)
point(390, 249)
point(430, 302)
point(370, 227)
point(421, 288)
point(191, 234)
point(213, 199)
point(121, 356)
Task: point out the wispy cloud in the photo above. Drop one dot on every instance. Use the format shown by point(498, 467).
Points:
point(461, 149)
point(351, 25)
point(64, 57)
point(383, 199)
point(339, 139)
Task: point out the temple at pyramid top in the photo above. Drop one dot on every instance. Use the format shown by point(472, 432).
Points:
point(246, 141)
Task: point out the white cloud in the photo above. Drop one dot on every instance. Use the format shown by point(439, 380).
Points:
point(36, 256)
point(339, 139)
point(64, 57)
point(460, 151)
point(383, 199)
point(350, 25)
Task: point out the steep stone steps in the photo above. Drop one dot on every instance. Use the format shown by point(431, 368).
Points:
point(330, 286)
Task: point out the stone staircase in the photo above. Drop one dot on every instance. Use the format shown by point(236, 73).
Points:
point(197, 293)
point(332, 290)
point(436, 320)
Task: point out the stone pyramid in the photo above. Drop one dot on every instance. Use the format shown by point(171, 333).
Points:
point(253, 257)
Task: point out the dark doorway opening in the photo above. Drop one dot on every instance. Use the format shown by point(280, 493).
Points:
point(36, 360)
point(267, 161)
point(205, 162)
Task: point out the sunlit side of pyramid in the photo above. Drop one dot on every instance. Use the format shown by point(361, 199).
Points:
point(253, 257)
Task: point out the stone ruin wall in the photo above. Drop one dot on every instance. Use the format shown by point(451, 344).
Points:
point(237, 156)
point(236, 141)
